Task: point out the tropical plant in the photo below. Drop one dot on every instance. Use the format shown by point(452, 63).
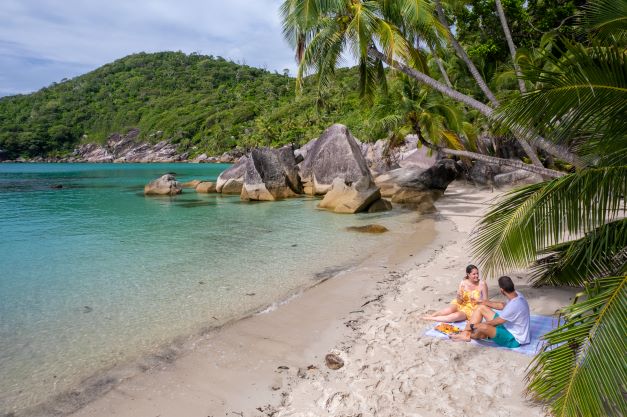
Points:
point(378, 32)
point(409, 108)
point(201, 103)
point(573, 229)
point(581, 369)
point(510, 44)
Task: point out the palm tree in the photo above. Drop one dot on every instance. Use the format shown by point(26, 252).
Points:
point(409, 108)
point(573, 229)
point(321, 30)
point(510, 45)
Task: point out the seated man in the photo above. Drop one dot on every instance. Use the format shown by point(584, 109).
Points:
point(510, 328)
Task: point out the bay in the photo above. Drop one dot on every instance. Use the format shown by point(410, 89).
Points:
point(93, 274)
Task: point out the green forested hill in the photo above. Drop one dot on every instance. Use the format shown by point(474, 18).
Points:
point(203, 103)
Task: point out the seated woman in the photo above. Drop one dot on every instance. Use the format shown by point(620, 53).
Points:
point(470, 290)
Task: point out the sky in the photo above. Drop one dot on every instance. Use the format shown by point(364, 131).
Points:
point(45, 41)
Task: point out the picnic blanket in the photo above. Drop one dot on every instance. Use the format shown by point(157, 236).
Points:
point(539, 326)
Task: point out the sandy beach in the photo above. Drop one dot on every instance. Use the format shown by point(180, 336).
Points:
point(272, 364)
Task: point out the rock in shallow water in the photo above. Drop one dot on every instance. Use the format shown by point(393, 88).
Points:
point(369, 228)
point(206, 187)
point(190, 184)
point(354, 198)
point(231, 180)
point(271, 174)
point(165, 185)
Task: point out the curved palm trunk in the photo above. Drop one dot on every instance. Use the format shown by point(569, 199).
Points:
point(545, 172)
point(464, 56)
point(440, 66)
point(529, 150)
point(510, 44)
point(484, 109)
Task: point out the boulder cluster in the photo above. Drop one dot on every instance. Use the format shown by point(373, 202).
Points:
point(350, 176)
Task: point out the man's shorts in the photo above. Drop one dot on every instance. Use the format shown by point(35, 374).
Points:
point(503, 337)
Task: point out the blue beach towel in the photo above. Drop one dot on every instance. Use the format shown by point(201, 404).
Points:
point(540, 325)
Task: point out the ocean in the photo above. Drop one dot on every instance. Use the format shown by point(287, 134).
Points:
point(95, 274)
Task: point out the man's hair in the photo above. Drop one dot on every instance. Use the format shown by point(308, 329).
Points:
point(506, 284)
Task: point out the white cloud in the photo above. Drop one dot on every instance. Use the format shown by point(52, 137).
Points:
point(46, 40)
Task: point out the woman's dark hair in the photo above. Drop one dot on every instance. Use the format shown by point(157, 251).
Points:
point(469, 269)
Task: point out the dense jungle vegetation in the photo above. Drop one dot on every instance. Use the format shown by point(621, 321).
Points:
point(203, 103)
point(208, 104)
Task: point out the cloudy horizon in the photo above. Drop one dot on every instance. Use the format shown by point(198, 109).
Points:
point(45, 41)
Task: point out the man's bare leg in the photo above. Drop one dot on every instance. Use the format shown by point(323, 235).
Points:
point(483, 331)
point(480, 313)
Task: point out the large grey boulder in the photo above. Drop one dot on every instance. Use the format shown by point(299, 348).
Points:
point(415, 186)
point(377, 158)
point(517, 177)
point(336, 154)
point(354, 198)
point(230, 181)
point(301, 153)
point(482, 174)
point(423, 158)
point(231, 156)
point(381, 158)
point(271, 174)
point(164, 185)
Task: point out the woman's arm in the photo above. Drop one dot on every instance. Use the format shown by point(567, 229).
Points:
point(460, 292)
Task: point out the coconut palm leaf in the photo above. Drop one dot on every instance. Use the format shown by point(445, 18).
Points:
point(323, 53)
point(606, 20)
point(535, 217)
point(583, 96)
point(470, 133)
point(581, 370)
point(602, 252)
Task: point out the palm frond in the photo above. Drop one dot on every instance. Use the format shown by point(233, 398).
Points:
point(370, 73)
point(606, 20)
point(391, 40)
point(506, 80)
point(452, 140)
point(323, 52)
point(470, 132)
point(602, 252)
point(419, 15)
point(583, 96)
point(532, 218)
point(581, 369)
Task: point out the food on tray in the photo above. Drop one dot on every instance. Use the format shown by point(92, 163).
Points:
point(447, 328)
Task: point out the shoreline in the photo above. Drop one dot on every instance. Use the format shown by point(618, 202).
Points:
point(296, 328)
point(271, 363)
point(109, 378)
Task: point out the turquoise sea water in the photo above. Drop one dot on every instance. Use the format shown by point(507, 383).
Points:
point(94, 274)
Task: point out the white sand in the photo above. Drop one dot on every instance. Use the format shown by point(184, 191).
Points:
point(273, 364)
